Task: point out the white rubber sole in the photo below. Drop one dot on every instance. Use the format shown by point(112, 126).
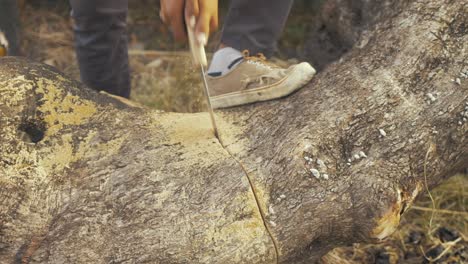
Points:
point(300, 75)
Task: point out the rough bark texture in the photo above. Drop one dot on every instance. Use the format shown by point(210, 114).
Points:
point(87, 178)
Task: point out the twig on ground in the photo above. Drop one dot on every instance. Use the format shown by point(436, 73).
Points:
point(429, 150)
point(441, 211)
point(447, 246)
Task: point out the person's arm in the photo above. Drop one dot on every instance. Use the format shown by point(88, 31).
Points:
point(174, 13)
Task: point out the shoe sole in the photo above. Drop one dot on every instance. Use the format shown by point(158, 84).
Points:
point(299, 76)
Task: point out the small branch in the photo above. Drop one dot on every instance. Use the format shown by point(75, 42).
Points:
point(441, 211)
point(429, 150)
point(447, 246)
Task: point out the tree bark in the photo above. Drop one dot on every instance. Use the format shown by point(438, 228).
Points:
point(89, 178)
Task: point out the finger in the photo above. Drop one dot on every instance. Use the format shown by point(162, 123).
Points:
point(202, 30)
point(177, 22)
point(214, 17)
point(162, 12)
point(191, 11)
point(214, 23)
point(162, 16)
point(178, 28)
point(207, 20)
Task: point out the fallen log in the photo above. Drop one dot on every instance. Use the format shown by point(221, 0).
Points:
point(89, 178)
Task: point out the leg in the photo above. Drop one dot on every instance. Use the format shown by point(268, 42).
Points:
point(9, 24)
point(255, 25)
point(101, 44)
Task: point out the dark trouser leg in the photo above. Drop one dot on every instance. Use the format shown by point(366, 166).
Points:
point(255, 25)
point(101, 44)
point(9, 24)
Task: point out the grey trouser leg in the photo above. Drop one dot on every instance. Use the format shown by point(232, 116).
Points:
point(9, 25)
point(255, 25)
point(101, 44)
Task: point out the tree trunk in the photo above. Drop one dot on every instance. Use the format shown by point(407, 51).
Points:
point(89, 178)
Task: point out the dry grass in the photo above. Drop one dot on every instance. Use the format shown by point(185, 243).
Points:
point(416, 241)
point(47, 37)
point(166, 81)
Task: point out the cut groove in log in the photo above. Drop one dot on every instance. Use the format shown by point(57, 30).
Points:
point(257, 201)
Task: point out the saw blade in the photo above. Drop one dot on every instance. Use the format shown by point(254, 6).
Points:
point(199, 59)
point(207, 94)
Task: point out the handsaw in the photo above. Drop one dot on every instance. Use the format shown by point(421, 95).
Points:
point(199, 59)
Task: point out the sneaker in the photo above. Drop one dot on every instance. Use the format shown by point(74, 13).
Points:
point(254, 80)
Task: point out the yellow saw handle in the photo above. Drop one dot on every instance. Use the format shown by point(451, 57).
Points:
point(3, 45)
point(197, 49)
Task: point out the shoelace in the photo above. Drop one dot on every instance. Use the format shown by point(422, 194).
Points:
point(259, 56)
point(261, 61)
point(258, 59)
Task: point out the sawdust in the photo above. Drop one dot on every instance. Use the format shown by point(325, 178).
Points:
point(231, 134)
point(195, 133)
point(192, 131)
point(186, 129)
